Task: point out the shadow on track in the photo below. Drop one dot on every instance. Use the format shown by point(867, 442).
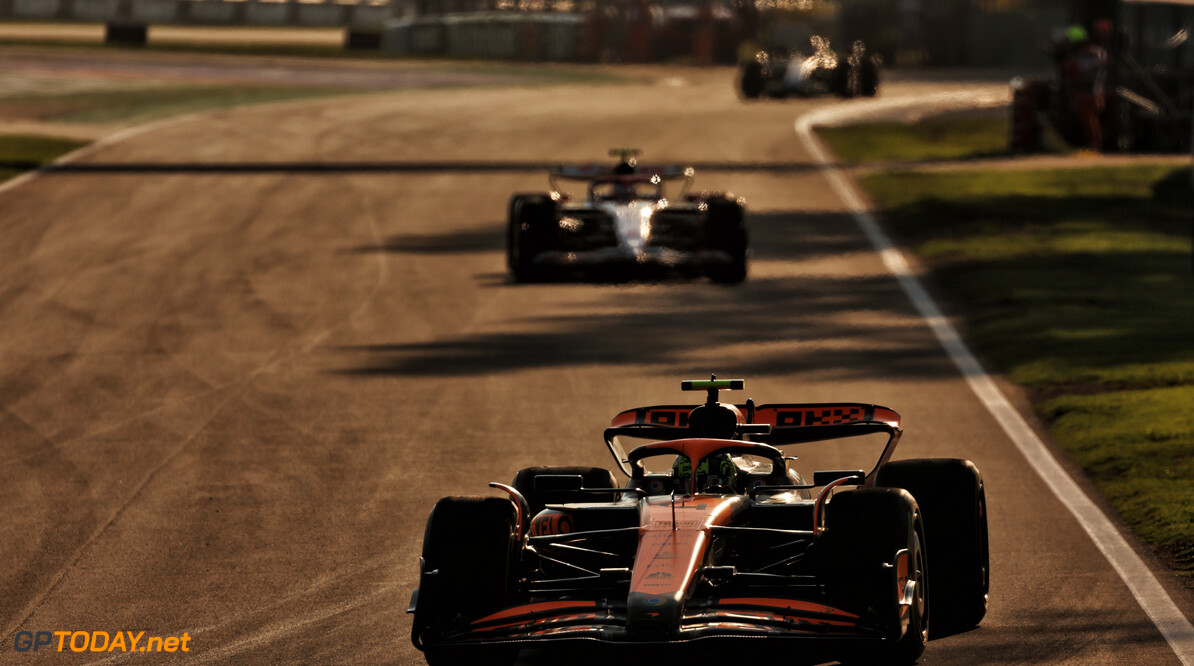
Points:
point(371, 167)
point(1069, 638)
point(487, 238)
point(778, 235)
point(675, 322)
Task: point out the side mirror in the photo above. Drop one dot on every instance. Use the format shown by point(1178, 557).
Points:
point(826, 477)
point(754, 428)
point(558, 482)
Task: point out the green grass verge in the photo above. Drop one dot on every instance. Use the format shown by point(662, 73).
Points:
point(214, 47)
point(143, 104)
point(533, 72)
point(1079, 285)
point(140, 104)
point(1069, 276)
point(1139, 442)
point(19, 154)
point(130, 105)
point(961, 135)
point(34, 149)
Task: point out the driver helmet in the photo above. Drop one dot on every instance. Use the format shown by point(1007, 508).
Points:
point(715, 471)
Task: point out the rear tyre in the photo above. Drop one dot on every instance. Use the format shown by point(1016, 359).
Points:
point(470, 555)
point(868, 77)
point(529, 232)
point(751, 80)
point(511, 222)
point(842, 80)
point(953, 500)
point(592, 477)
point(725, 225)
point(866, 530)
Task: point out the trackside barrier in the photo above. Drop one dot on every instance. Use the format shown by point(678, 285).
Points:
point(213, 12)
point(395, 27)
point(268, 13)
point(545, 36)
point(422, 37)
point(482, 35)
point(96, 10)
point(154, 11)
point(316, 15)
point(139, 14)
point(35, 9)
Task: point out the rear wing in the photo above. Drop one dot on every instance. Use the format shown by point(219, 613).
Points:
point(774, 424)
point(794, 423)
point(642, 173)
point(781, 416)
point(594, 173)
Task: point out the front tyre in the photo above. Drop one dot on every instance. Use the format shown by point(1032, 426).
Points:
point(868, 77)
point(842, 80)
point(725, 230)
point(469, 570)
point(751, 80)
point(530, 231)
point(866, 530)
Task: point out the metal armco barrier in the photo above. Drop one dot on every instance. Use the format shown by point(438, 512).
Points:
point(397, 27)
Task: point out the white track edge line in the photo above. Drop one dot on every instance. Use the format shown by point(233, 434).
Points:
point(102, 142)
point(134, 130)
point(1152, 597)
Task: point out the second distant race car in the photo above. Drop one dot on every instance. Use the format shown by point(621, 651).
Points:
point(821, 71)
point(626, 224)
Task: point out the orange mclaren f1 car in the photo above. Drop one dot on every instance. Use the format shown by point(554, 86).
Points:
point(716, 537)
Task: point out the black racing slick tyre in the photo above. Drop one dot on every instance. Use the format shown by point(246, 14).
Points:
point(530, 230)
point(469, 570)
point(952, 498)
point(866, 530)
point(868, 77)
point(842, 79)
point(725, 225)
point(591, 477)
point(751, 80)
point(511, 223)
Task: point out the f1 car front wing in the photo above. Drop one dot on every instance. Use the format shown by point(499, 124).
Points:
point(740, 617)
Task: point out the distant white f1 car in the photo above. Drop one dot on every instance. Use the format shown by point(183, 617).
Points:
point(625, 223)
point(778, 74)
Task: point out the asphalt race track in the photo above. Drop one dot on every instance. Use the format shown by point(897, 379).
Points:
point(231, 399)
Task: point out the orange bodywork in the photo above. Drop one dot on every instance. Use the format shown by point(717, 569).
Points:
point(672, 544)
point(674, 536)
point(632, 565)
